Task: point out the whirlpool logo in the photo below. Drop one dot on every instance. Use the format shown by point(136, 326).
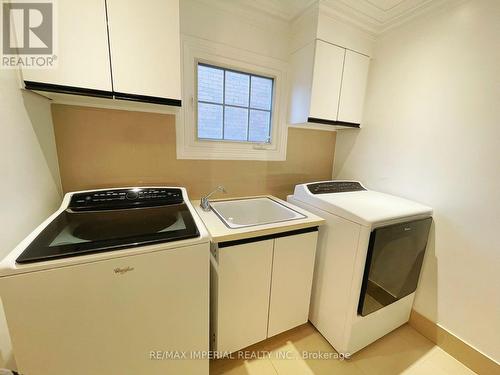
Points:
point(28, 30)
point(123, 270)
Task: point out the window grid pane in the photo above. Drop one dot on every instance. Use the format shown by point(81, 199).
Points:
point(246, 110)
point(210, 121)
point(261, 93)
point(259, 125)
point(237, 88)
point(210, 84)
point(237, 118)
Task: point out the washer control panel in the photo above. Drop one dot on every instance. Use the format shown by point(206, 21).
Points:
point(334, 187)
point(125, 198)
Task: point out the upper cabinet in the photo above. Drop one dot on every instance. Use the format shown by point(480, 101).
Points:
point(352, 93)
point(328, 85)
point(119, 49)
point(145, 49)
point(326, 81)
point(82, 52)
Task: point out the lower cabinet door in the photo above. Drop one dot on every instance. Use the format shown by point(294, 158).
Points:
point(243, 280)
point(293, 267)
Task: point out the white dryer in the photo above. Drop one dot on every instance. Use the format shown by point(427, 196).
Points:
point(368, 261)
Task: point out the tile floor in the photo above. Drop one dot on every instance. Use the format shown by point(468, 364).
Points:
point(403, 351)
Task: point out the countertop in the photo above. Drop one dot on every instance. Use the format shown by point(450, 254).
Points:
point(219, 232)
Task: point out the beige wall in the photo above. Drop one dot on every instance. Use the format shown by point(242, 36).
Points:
point(432, 134)
point(106, 148)
point(30, 188)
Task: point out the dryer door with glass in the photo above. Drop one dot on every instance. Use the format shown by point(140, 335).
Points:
point(393, 263)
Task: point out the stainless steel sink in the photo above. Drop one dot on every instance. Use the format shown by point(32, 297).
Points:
point(240, 213)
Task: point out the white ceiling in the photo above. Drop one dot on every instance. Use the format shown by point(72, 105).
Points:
point(377, 16)
point(373, 15)
point(385, 4)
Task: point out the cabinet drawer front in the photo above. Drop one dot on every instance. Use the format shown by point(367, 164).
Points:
point(244, 278)
point(293, 267)
point(327, 79)
point(144, 42)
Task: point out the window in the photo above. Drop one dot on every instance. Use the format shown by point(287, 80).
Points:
point(233, 105)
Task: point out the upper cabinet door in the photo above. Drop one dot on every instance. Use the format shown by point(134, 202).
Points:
point(352, 94)
point(327, 79)
point(82, 48)
point(145, 48)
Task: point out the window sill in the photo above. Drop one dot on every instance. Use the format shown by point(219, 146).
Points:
point(213, 150)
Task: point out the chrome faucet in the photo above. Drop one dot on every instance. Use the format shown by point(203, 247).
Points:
point(205, 204)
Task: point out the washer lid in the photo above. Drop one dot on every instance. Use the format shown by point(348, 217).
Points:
point(9, 266)
point(365, 207)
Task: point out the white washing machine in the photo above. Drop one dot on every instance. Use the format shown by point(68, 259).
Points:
point(115, 282)
point(368, 261)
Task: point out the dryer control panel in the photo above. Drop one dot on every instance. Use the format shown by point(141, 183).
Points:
point(334, 187)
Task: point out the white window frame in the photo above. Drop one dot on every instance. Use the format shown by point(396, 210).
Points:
point(196, 50)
